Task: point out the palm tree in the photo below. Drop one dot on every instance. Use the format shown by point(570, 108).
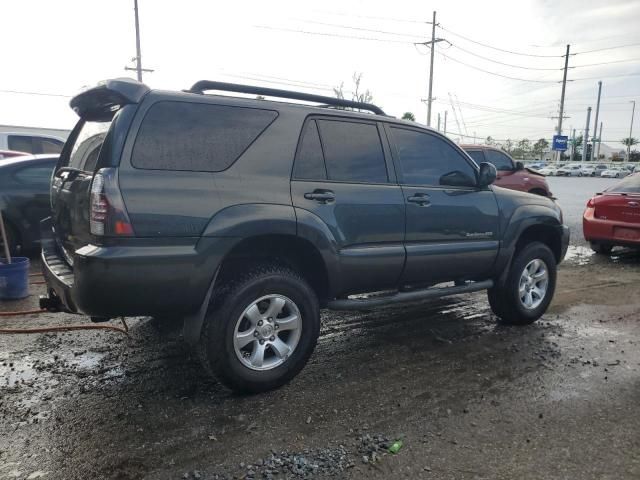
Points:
point(629, 142)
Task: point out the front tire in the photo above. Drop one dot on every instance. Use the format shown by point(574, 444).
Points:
point(528, 289)
point(261, 330)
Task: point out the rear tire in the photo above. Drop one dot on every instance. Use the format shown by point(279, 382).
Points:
point(244, 341)
point(601, 248)
point(531, 280)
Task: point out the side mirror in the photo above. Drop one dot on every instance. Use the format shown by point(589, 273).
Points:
point(519, 166)
point(487, 175)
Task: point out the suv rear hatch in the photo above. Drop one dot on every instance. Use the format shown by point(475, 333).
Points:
point(92, 152)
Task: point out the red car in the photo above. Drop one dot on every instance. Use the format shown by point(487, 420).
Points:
point(511, 174)
point(613, 217)
point(11, 154)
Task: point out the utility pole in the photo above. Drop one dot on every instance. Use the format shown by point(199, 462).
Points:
point(633, 111)
point(474, 138)
point(573, 144)
point(431, 44)
point(138, 58)
point(445, 121)
point(585, 140)
point(595, 123)
point(438, 121)
point(564, 85)
point(599, 142)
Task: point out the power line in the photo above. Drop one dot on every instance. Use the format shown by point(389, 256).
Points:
point(497, 48)
point(43, 94)
point(325, 34)
point(496, 74)
point(608, 48)
point(385, 32)
point(607, 63)
point(606, 76)
point(501, 63)
point(403, 20)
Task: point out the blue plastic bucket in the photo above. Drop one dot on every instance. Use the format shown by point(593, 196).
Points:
point(14, 278)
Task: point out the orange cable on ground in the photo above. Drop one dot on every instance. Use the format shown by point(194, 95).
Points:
point(58, 328)
point(23, 312)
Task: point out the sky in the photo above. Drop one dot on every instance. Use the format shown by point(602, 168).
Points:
point(58, 48)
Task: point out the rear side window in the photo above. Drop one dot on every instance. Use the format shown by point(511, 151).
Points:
point(21, 143)
point(309, 164)
point(426, 159)
point(352, 151)
point(499, 160)
point(197, 137)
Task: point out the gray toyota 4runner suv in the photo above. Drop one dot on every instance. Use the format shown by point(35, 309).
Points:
point(244, 217)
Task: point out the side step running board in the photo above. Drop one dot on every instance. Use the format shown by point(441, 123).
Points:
point(402, 297)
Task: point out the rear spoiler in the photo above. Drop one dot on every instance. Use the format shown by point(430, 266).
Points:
point(102, 101)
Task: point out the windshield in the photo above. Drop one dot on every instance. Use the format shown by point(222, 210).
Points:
point(631, 184)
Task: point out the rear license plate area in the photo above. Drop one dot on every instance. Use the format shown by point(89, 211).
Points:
point(625, 233)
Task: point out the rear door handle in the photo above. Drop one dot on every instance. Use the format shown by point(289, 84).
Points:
point(422, 199)
point(321, 196)
point(633, 204)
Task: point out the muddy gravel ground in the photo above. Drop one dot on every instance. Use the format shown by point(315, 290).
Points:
point(467, 397)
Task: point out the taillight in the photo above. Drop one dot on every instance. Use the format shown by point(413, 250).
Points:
point(591, 203)
point(107, 214)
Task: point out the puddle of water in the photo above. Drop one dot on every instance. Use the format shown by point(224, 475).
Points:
point(579, 255)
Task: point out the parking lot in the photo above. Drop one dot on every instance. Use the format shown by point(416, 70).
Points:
point(468, 398)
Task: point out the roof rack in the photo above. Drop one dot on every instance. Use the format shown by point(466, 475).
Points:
point(204, 85)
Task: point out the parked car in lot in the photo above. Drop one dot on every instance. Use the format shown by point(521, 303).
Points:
point(511, 174)
point(548, 171)
point(588, 170)
point(614, 172)
point(24, 198)
point(30, 143)
point(571, 170)
point(612, 218)
point(244, 217)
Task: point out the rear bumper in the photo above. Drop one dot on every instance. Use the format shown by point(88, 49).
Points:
point(610, 232)
point(139, 279)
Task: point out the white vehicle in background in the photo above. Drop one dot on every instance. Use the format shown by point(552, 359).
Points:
point(30, 142)
point(615, 172)
point(601, 167)
point(548, 171)
point(571, 170)
point(588, 171)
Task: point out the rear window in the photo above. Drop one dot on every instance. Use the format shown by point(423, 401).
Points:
point(499, 160)
point(630, 184)
point(196, 136)
point(477, 156)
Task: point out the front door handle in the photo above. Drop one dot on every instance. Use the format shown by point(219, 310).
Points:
point(633, 204)
point(321, 196)
point(422, 199)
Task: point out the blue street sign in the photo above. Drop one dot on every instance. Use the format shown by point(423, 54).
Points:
point(560, 143)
